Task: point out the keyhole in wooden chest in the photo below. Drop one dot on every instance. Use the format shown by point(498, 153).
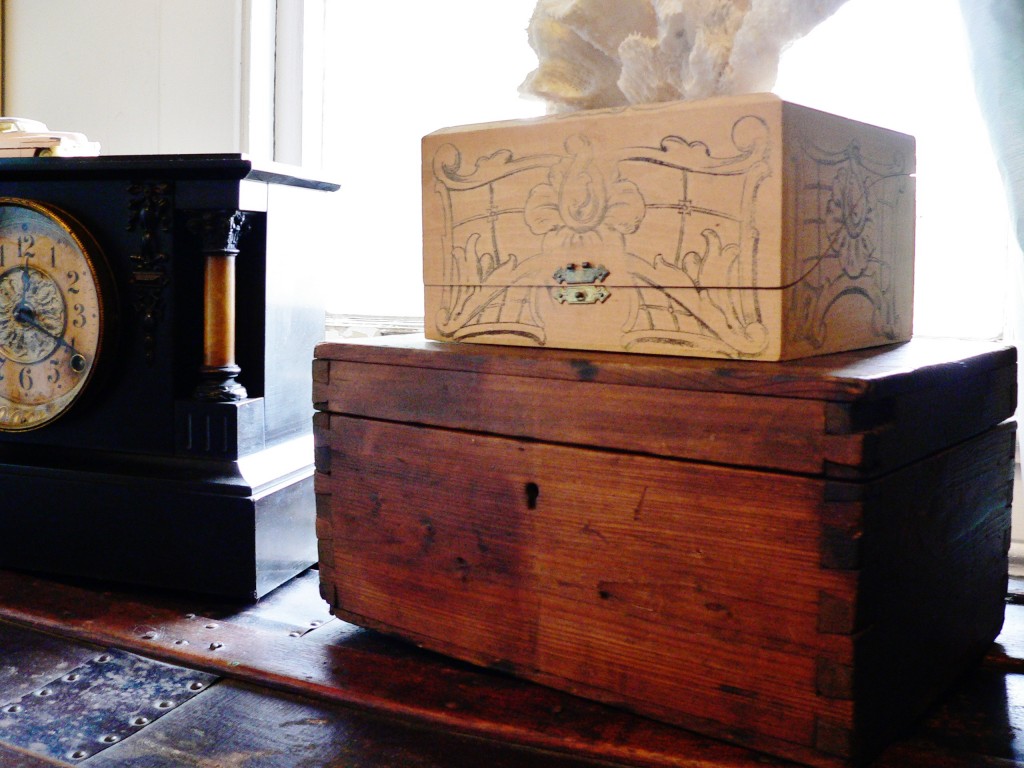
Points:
point(532, 492)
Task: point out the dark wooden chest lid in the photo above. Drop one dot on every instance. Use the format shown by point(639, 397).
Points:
point(850, 415)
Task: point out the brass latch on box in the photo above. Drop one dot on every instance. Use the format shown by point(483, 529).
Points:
point(581, 294)
point(578, 284)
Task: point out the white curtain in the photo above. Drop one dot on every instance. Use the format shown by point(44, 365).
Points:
point(995, 32)
point(995, 35)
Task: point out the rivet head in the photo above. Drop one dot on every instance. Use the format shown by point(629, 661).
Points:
point(140, 720)
point(13, 709)
point(79, 754)
point(181, 642)
point(196, 686)
point(71, 677)
point(110, 739)
point(211, 625)
point(148, 635)
point(216, 646)
point(164, 704)
point(104, 658)
point(44, 692)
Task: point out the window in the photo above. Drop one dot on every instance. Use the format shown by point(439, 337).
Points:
point(390, 79)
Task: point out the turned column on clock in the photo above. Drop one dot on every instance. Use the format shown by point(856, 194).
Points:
point(218, 374)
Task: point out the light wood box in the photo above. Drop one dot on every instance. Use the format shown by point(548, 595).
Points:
point(798, 557)
point(740, 227)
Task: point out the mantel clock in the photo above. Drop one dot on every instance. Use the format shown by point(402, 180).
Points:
point(156, 333)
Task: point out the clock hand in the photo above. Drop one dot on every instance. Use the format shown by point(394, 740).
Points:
point(26, 283)
point(25, 315)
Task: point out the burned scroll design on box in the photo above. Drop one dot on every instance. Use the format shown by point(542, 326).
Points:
point(586, 205)
point(849, 206)
point(700, 295)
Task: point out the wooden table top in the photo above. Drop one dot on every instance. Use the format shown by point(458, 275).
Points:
point(283, 683)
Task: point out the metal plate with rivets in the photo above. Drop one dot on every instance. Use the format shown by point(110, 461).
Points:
point(97, 704)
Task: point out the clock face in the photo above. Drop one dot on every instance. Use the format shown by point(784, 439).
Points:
point(53, 316)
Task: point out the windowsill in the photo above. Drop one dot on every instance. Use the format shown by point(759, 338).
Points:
point(341, 326)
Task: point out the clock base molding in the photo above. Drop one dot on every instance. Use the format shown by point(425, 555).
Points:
point(223, 430)
point(236, 529)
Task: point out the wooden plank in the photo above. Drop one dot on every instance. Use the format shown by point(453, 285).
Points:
point(236, 725)
point(728, 428)
point(862, 375)
point(29, 660)
point(608, 586)
point(905, 429)
point(624, 577)
point(666, 523)
point(915, 754)
point(13, 758)
point(686, 419)
point(933, 577)
point(924, 525)
point(362, 669)
point(975, 725)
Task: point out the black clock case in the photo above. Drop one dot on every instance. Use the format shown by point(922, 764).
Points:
point(142, 482)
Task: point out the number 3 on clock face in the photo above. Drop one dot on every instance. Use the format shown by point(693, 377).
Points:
point(54, 313)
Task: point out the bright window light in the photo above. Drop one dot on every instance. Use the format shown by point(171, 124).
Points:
point(390, 81)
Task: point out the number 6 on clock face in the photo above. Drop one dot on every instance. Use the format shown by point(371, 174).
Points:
point(54, 313)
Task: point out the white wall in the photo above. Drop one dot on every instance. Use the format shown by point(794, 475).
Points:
point(139, 76)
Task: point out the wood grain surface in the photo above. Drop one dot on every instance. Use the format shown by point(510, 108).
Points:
point(271, 716)
point(868, 374)
point(853, 415)
point(528, 511)
point(659, 586)
point(342, 664)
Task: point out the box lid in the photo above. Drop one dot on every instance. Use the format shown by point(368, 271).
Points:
point(741, 192)
point(849, 415)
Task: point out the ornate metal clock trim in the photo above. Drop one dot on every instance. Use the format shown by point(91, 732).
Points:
point(150, 212)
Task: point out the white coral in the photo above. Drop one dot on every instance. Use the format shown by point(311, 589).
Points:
point(606, 53)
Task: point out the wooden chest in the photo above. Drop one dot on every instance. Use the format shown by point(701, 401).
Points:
point(794, 556)
point(740, 227)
